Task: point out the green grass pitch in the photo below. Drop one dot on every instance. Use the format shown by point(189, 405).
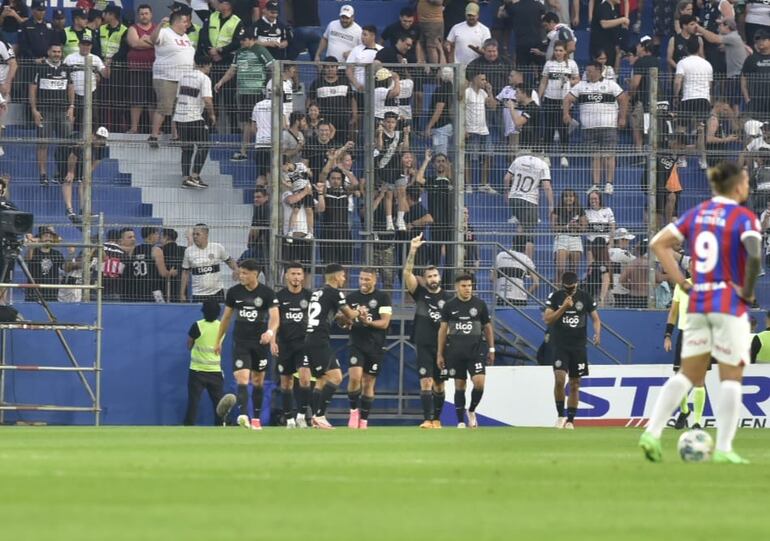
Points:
point(142, 483)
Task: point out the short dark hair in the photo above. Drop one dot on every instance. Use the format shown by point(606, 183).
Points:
point(550, 17)
point(169, 233)
point(693, 46)
point(249, 265)
point(491, 42)
point(124, 230)
point(143, 6)
point(333, 268)
point(335, 170)
point(596, 65)
point(369, 270)
point(260, 190)
point(391, 114)
point(370, 28)
point(147, 231)
point(210, 310)
point(429, 268)
point(175, 15)
point(296, 116)
point(686, 19)
point(406, 12)
point(295, 265)
point(463, 277)
point(569, 278)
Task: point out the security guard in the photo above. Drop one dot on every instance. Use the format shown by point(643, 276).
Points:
point(219, 39)
point(35, 35)
point(111, 32)
point(760, 345)
point(73, 33)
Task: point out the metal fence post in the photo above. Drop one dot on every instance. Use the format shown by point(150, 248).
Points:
point(276, 127)
point(652, 222)
point(87, 141)
point(367, 110)
point(458, 120)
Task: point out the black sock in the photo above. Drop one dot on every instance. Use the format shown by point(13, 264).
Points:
point(325, 398)
point(426, 398)
point(243, 399)
point(315, 401)
point(571, 412)
point(304, 400)
point(438, 404)
point(355, 399)
point(460, 405)
point(288, 402)
point(257, 393)
point(476, 395)
point(366, 406)
point(560, 408)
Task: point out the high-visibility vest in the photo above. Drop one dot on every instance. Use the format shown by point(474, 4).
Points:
point(203, 356)
point(110, 42)
point(763, 355)
point(72, 41)
point(220, 34)
point(194, 35)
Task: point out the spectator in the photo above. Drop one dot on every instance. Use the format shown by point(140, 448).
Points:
point(513, 119)
point(173, 255)
point(302, 16)
point(639, 88)
point(417, 218)
point(75, 63)
point(559, 75)
point(598, 278)
point(439, 128)
point(359, 55)
point(605, 31)
point(558, 32)
point(608, 72)
point(525, 176)
point(440, 188)
point(721, 134)
point(45, 264)
point(95, 21)
point(512, 267)
point(478, 97)
point(144, 279)
point(71, 35)
point(603, 107)
point(663, 17)
point(756, 158)
point(51, 100)
point(734, 56)
point(471, 261)
point(525, 19)
point(755, 76)
point(387, 88)
point(252, 66)
point(465, 39)
point(340, 36)
point(568, 221)
point(694, 76)
point(140, 57)
point(332, 92)
point(111, 96)
point(313, 120)
point(711, 19)
point(174, 56)
point(35, 36)
point(272, 33)
point(680, 45)
point(297, 179)
point(203, 260)
point(297, 234)
point(620, 257)
point(636, 277)
point(399, 53)
point(601, 224)
point(127, 243)
point(13, 15)
point(193, 98)
point(764, 220)
point(261, 122)
point(59, 21)
point(667, 185)
point(288, 76)
point(75, 172)
point(430, 13)
point(335, 224)
point(683, 7)
point(113, 266)
point(258, 242)
point(494, 66)
point(293, 138)
point(528, 108)
point(757, 18)
point(383, 249)
point(396, 35)
point(319, 147)
point(390, 144)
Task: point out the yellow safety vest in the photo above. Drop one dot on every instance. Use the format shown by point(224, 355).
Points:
point(203, 357)
point(194, 35)
point(72, 41)
point(221, 35)
point(763, 355)
point(110, 42)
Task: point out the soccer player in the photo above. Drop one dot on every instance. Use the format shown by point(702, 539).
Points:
point(288, 343)
point(724, 238)
point(565, 313)
point(324, 305)
point(429, 299)
point(256, 322)
point(367, 341)
point(464, 320)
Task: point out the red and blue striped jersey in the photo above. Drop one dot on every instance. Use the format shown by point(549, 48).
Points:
point(713, 232)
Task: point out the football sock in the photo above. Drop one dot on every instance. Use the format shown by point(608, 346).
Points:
point(727, 414)
point(304, 400)
point(286, 400)
point(670, 395)
point(460, 406)
point(684, 406)
point(243, 399)
point(326, 397)
point(426, 398)
point(257, 394)
point(438, 404)
point(699, 403)
point(355, 399)
point(476, 395)
point(366, 406)
point(571, 412)
point(560, 408)
point(316, 399)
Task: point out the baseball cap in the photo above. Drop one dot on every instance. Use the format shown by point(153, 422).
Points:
point(752, 128)
point(79, 13)
point(347, 11)
point(645, 39)
point(58, 14)
point(383, 74)
point(271, 6)
point(472, 9)
point(86, 38)
point(761, 34)
point(43, 229)
point(38, 5)
point(112, 8)
point(621, 233)
point(94, 14)
point(180, 7)
point(248, 32)
point(102, 132)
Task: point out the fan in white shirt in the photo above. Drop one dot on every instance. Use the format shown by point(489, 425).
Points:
point(340, 36)
point(362, 54)
point(76, 63)
point(465, 39)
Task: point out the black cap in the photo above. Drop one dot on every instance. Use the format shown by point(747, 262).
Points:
point(86, 38)
point(58, 14)
point(38, 5)
point(181, 7)
point(112, 8)
point(762, 33)
point(77, 12)
point(248, 32)
point(271, 6)
point(94, 14)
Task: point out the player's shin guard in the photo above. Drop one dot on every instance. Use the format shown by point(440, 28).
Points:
point(476, 395)
point(325, 398)
point(571, 412)
point(426, 399)
point(257, 395)
point(460, 406)
point(560, 408)
point(316, 399)
point(305, 395)
point(438, 404)
point(243, 399)
point(355, 399)
point(287, 402)
point(727, 414)
point(366, 407)
point(698, 404)
point(671, 394)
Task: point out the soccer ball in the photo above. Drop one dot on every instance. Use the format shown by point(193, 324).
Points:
point(695, 446)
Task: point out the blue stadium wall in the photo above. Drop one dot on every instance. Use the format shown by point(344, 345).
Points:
point(145, 361)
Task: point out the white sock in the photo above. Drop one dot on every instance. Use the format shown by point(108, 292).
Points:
point(388, 219)
point(728, 411)
point(400, 216)
point(670, 396)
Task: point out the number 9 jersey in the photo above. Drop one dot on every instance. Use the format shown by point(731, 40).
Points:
point(714, 232)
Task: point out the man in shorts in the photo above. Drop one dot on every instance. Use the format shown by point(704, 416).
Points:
point(525, 176)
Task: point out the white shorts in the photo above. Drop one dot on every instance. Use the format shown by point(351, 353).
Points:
point(569, 243)
point(726, 337)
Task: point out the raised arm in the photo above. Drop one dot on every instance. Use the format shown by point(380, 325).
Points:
point(410, 280)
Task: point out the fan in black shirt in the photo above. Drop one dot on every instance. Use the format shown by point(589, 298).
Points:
point(405, 27)
point(566, 313)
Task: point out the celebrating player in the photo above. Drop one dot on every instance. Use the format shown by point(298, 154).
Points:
point(725, 241)
point(324, 304)
point(565, 313)
point(429, 299)
point(463, 319)
point(367, 338)
point(288, 343)
point(256, 321)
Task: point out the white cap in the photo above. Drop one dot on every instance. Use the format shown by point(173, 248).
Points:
point(752, 128)
point(621, 233)
point(102, 132)
point(347, 11)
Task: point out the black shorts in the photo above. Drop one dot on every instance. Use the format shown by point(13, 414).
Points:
point(291, 357)
point(573, 360)
point(698, 111)
point(461, 363)
point(370, 359)
point(246, 103)
point(306, 202)
point(249, 355)
point(426, 364)
point(526, 213)
point(263, 160)
point(320, 357)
